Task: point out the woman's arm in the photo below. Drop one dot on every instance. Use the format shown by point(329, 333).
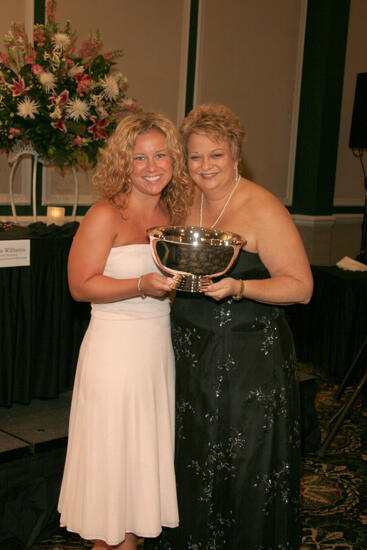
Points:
point(87, 259)
point(280, 248)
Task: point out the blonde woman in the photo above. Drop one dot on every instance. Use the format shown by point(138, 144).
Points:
point(119, 480)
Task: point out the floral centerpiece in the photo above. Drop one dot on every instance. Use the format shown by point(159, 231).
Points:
point(62, 101)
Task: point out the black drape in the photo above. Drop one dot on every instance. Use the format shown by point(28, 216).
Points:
point(41, 326)
point(330, 330)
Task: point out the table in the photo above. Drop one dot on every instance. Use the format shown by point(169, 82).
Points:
point(41, 326)
point(330, 329)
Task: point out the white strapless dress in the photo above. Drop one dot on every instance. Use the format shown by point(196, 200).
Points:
point(119, 471)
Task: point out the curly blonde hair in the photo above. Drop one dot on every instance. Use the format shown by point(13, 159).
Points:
point(216, 121)
point(112, 176)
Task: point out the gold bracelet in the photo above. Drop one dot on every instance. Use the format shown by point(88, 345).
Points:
point(141, 293)
point(239, 296)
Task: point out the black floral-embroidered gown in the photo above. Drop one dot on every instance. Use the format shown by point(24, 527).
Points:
point(237, 423)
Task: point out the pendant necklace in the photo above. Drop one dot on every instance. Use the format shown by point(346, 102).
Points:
point(223, 209)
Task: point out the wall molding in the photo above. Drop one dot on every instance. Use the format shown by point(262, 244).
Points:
point(288, 199)
point(198, 52)
point(27, 220)
point(22, 174)
point(185, 34)
point(345, 202)
point(304, 220)
point(52, 180)
point(348, 218)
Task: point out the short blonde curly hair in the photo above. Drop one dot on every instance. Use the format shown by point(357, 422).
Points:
point(216, 121)
point(112, 174)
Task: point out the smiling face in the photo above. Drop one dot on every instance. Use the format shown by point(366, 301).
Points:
point(152, 164)
point(210, 162)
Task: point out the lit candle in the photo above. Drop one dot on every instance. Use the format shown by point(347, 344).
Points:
point(56, 215)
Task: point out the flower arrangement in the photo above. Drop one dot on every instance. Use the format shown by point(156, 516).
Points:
point(62, 101)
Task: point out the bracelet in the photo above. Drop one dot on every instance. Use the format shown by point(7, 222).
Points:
point(141, 293)
point(239, 296)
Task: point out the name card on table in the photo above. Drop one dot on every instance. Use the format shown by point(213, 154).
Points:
point(15, 253)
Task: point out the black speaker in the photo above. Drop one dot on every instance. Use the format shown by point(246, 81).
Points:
point(358, 131)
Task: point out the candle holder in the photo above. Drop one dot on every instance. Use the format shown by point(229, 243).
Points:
point(56, 215)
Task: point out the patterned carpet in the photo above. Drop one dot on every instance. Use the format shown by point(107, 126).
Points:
point(334, 487)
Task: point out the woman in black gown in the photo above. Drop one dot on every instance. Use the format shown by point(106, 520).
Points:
point(237, 406)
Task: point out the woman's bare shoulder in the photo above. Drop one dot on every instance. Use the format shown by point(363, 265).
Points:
point(260, 202)
point(101, 220)
point(102, 212)
point(103, 208)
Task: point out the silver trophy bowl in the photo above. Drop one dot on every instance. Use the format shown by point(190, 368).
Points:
point(193, 255)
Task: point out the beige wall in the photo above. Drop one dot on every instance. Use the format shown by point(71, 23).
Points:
point(349, 176)
point(14, 10)
point(152, 33)
point(250, 58)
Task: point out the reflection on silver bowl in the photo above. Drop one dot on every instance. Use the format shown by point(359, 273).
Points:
point(193, 255)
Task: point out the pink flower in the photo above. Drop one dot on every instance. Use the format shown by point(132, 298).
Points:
point(61, 99)
point(37, 69)
point(39, 37)
point(4, 59)
point(84, 83)
point(97, 129)
point(88, 48)
point(130, 106)
point(30, 59)
point(50, 10)
point(13, 131)
point(80, 141)
point(18, 87)
point(59, 124)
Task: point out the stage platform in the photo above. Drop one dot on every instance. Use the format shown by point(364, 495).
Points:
point(32, 453)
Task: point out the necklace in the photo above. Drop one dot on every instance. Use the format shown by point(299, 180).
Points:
point(223, 209)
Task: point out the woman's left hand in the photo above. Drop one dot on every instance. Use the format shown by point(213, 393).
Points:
point(223, 288)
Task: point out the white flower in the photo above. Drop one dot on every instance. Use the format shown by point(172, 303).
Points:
point(76, 69)
point(102, 113)
point(76, 109)
point(110, 87)
point(61, 40)
point(27, 108)
point(47, 80)
point(56, 113)
point(96, 99)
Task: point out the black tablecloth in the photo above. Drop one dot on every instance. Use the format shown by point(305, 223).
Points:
point(330, 329)
point(41, 326)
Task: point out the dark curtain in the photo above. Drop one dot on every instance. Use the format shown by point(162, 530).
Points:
point(330, 329)
point(41, 326)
